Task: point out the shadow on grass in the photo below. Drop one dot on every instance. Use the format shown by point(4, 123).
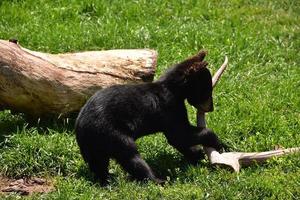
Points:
point(10, 123)
point(83, 171)
point(165, 166)
point(54, 124)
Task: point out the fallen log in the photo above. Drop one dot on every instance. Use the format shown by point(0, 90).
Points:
point(43, 84)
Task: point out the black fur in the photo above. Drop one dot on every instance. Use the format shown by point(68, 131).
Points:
point(113, 118)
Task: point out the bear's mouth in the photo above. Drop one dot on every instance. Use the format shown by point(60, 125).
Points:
point(207, 106)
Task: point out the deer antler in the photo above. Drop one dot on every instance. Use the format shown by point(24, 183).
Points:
point(219, 73)
point(236, 159)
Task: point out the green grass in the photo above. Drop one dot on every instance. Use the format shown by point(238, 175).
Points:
point(257, 102)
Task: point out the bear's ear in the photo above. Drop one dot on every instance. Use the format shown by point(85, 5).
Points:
point(196, 67)
point(194, 63)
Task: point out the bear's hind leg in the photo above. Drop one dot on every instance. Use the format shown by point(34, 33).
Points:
point(129, 158)
point(99, 166)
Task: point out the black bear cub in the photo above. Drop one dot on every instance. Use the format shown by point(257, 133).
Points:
point(113, 118)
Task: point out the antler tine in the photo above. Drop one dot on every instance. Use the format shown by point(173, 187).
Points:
point(220, 71)
point(236, 159)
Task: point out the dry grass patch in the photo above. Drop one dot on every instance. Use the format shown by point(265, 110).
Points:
point(25, 186)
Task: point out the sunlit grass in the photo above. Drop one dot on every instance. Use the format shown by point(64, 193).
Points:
point(257, 102)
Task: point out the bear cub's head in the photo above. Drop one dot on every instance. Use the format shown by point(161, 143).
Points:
point(193, 81)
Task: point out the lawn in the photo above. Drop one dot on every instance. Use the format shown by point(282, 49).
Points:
point(257, 102)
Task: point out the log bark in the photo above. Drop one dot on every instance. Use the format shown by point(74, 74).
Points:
point(43, 84)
